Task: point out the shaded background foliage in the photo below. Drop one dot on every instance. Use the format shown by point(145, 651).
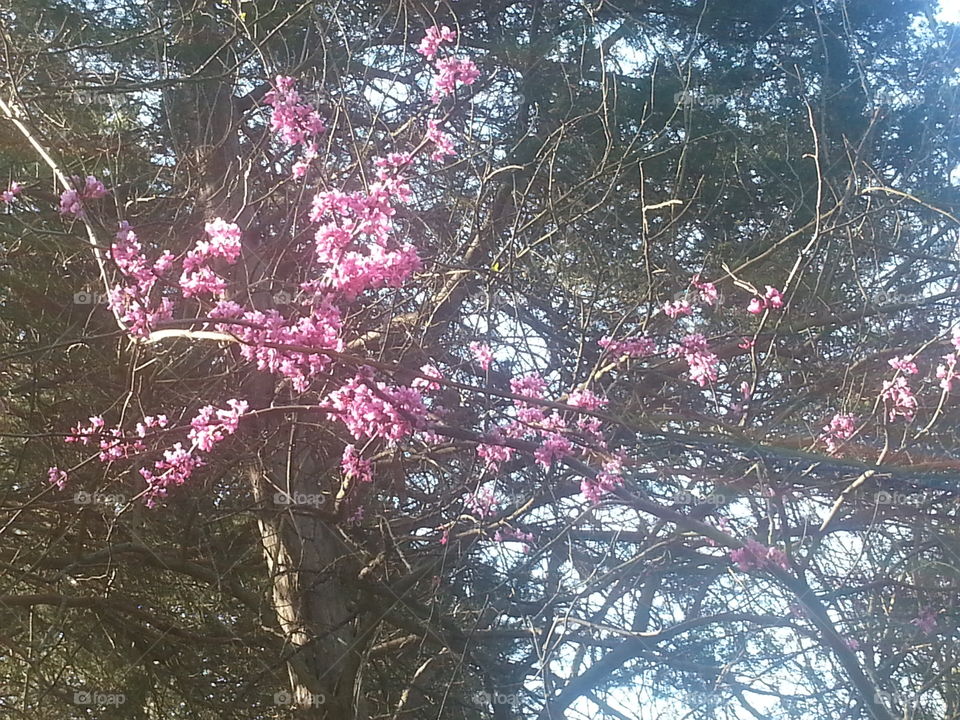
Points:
point(610, 151)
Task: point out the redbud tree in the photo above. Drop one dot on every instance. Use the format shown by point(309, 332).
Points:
point(394, 361)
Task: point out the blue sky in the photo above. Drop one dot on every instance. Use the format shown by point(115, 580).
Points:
point(949, 11)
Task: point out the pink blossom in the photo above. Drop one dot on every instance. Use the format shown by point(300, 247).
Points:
point(746, 343)
point(373, 409)
point(840, 428)
point(354, 466)
point(224, 240)
point(899, 399)
point(355, 241)
point(754, 555)
point(211, 425)
point(296, 122)
point(320, 330)
point(197, 276)
point(226, 309)
point(904, 364)
point(852, 643)
point(443, 143)
point(510, 534)
point(708, 291)
point(72, 200)
point(677, 308)
point(703, 363)
point(585, 399)
point(10, 194)
point(531, 385)
point(494, 453)
point(553, 448)
point(424, 384)
point(947, 373)
point(433, 39)
point(709, 294)
point(176, 467)
point(483, 502)
point(633, 347)
point(482, 354)
point(606, 481)
point(773, 297)
point(452, 72)
point(57, 477)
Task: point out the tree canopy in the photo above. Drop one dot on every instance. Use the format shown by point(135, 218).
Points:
point(473, 359)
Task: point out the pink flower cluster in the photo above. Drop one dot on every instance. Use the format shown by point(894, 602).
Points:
point(442, 142)
point(450, 71)
point(354, 241)
point(840, 428)
point(947, 371)
point(435, 37)
point(514, 535)
point(431, 371)
point(586, 399)
point(904, 364)
point(211, 425)
point(607, 480)
point(708, 291)
point(632, 348)
point(703, 363)
point(318, 331)
point(772, 299)
point(899, 399)
point(296, 122)
point(57, 477)
point(372, 409)
point(555, 437)
point(176, 463)
point(754, 555)
point(677, 308)
point(495, 453)
point(354, 466)
point(483, 503)
point(72, 200)
point(131, 302)
point(356, 250)
point(11, 193)
point(482, 354)
point(197, 276)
